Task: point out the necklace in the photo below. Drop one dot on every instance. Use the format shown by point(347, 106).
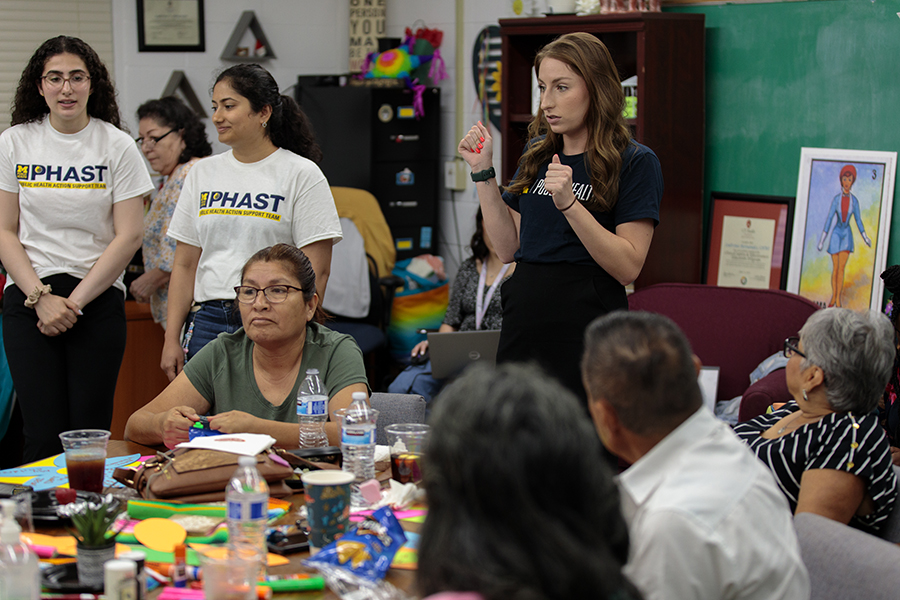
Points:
point(795, 420)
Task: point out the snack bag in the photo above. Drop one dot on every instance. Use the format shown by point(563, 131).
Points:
point(361, 558)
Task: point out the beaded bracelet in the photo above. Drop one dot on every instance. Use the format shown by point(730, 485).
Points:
point(33, 297)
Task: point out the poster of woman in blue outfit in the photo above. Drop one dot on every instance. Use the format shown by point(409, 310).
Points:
point(843, 206)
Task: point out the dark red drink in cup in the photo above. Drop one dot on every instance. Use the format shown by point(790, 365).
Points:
point(86, 473)
point(407, 442)
point(85, 458)
point(406, 467)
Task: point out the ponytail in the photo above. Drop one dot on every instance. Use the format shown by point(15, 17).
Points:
point(289, 128)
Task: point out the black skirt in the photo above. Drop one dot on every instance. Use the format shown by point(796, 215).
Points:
point(546, 308)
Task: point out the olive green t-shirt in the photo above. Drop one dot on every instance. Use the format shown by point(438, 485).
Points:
point(222, 371)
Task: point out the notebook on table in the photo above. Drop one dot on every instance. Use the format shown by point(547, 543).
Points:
point(453, 351)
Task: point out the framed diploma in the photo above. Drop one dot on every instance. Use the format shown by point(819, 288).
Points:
point(170, 26)
point(749, 241)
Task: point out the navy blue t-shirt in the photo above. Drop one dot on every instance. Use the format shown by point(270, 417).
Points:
point(545, 235)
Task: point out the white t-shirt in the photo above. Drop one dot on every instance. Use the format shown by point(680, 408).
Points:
point(231, 210)
point(67, 184)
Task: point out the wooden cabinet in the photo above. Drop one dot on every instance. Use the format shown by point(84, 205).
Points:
point(140, 378)
point(666, 52)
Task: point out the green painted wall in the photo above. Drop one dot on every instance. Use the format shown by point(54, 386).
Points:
point(780, 76)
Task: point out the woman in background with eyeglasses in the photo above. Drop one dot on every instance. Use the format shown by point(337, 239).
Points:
point(173, 139)
point(248, 380)
point(266, 189)
point(71, 188)
point(826, 448)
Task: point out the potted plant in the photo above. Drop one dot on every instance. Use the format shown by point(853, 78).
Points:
point(91, 522)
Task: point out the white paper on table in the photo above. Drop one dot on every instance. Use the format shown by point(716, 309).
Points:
point(247, 444)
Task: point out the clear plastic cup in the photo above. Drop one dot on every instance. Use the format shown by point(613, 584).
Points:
point(85, 458)
point(407, 442)
point(230, 572)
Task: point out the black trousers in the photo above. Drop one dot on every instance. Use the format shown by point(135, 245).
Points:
point(546, 308)
point(66, 381)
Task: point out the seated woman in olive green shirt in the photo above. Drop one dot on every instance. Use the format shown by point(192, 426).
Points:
point(248, 380)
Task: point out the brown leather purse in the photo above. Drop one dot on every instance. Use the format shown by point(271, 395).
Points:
point(197, 475)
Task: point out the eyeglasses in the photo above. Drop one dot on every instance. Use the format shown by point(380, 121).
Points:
point(150, 142)
point(274, 293)
point(55, 81)
point(792, 347)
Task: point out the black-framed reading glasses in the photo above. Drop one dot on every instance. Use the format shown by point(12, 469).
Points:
point(275, 294)
point(151, 141)
point(792, 347)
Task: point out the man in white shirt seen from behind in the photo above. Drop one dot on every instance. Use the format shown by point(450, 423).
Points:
point(705, 516)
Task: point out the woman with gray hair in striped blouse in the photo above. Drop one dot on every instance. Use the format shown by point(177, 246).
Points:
point(826, 448)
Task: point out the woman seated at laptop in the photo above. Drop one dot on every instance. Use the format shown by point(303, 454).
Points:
point(505, 518)
point(825, 448)
point(474, 304)
point(248, 380)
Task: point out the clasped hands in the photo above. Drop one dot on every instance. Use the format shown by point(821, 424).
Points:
point(56, 314)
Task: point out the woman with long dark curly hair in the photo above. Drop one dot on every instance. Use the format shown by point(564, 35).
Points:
point(173, 139)
point(579, 214)
point(265, 190)
point(519, 505)
point(70, 220)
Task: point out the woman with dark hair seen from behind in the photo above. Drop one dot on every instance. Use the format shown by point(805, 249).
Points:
point(825, 448)
point(172, 138)
point(519, 506)
point(70, 220)
point(578, 215)
point(474, 305)
point(266, 190)
point(248, 380)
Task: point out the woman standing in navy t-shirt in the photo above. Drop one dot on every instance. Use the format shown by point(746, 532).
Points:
point(579, 214)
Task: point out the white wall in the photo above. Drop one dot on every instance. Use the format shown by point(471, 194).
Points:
point(310, 37)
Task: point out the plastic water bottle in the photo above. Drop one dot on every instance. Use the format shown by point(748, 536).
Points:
point(247, 497)
point(312, 411)
point(20, 575)
point(358, 444)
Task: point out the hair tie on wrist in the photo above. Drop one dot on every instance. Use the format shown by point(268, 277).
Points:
point(569, 206)
point(35, 295)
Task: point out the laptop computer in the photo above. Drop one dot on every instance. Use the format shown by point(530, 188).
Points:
point(453, 351)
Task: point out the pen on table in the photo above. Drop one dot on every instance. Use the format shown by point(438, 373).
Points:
point(294, 585)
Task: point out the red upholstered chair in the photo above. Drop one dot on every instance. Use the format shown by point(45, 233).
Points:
point(734, 329)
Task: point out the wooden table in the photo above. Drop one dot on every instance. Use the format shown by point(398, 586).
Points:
point(405, 580)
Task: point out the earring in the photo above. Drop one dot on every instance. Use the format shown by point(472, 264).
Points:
point(805, 397)
point(265, 124)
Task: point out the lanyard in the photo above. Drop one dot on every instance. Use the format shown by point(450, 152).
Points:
point(482, 300)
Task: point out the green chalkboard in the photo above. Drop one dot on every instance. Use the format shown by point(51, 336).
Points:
point(780, 76)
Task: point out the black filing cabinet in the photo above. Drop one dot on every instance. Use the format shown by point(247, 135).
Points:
point(371, 139)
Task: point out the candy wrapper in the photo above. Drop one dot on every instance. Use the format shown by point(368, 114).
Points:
point(354, 566)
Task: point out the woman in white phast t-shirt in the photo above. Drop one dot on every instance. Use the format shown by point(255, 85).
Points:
point(266, 190)
point(71, 187)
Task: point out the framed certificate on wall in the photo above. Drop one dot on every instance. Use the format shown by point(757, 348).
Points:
point(170, 26)
point(749, 241)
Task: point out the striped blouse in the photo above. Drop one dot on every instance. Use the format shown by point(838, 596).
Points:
point(840, 441)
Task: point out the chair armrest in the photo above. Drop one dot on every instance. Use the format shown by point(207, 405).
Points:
point(760, 395)
point(390, 284)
